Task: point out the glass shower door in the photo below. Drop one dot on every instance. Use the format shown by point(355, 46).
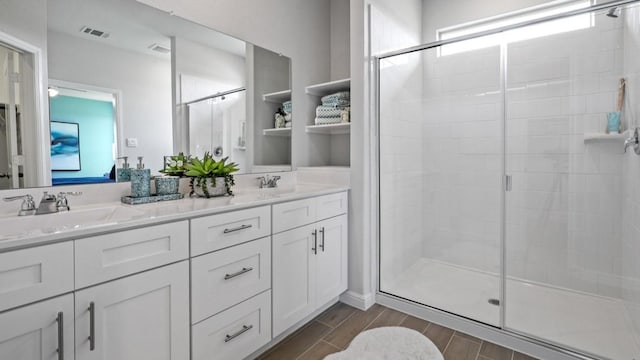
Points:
point(441, 176)
point(564, 243)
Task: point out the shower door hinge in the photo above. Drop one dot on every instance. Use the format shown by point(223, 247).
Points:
point(507, 182)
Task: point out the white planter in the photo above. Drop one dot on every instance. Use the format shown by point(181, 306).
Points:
point(218, 190)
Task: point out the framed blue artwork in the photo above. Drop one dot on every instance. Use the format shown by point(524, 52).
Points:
point(65, 146)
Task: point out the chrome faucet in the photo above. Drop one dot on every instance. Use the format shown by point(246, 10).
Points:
point(268, 181)
point(52, 204)
point(47, 204)
point(28, 206)
point(634, 141)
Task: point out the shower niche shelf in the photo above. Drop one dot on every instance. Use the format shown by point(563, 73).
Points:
point(593, 137)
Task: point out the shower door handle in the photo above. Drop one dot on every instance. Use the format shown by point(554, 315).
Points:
point(508, 183)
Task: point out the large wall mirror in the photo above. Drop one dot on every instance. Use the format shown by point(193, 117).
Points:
point(126, 79)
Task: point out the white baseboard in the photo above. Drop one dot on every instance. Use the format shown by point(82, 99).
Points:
point(357, 300)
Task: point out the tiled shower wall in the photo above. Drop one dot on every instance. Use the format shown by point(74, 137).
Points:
point(630, 264)
point(462, 158)
point(396, 27)
point(564, 214)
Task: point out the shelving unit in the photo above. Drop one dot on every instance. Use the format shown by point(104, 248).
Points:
point(330, 129)
point(331, 143)
point(284, 132)
point(592, 137)
point(329, 87)
point(277, 97)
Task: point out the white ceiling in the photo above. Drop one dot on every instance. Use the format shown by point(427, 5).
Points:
point(132, 25)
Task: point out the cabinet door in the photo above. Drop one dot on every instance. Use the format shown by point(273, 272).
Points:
point(331, 266)
point(38, 331)
point(145, 316)
point(293, 281)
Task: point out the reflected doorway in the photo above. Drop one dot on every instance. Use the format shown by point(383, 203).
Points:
point(83, 122)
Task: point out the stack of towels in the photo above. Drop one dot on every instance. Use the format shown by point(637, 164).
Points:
point(334, 109)
point(286, 107)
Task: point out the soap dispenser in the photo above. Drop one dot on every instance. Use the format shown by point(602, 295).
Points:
point(140, 180)
point(124, 173)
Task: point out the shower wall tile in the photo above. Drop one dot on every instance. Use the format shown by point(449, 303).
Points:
point(401, 143)
point(564, 211)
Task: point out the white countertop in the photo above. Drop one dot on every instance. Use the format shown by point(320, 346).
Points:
point(34, 230)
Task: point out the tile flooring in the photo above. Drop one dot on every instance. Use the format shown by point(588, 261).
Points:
point(333, 330)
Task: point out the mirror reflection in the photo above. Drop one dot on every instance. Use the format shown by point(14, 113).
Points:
point(126, 81)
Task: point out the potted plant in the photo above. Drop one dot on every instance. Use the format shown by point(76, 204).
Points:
point(210, 177)
point(176, 165)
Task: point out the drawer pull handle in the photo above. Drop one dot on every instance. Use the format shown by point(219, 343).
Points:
point(315, 242)
point(322, 243)
point(243, 227)
point(231, 276)
point(60, 350)
point(244, 329)
point(92, 326)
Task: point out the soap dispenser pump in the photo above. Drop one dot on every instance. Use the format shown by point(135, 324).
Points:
point(124, 173)
point(140, 180)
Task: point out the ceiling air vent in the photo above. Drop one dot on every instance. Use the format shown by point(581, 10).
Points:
point(94, 32)
point(159, 48)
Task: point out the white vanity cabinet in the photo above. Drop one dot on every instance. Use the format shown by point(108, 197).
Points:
point(144, 316)
point(230, 297)
point(42, 331)
point(219, 286)
point(310, 261)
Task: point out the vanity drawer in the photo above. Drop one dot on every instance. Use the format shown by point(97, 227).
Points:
point(105, 257)
point(293, 214)
point(33, 274)
point(220, 231)
point(224, 278)
point(332, 205)
point(235, 333)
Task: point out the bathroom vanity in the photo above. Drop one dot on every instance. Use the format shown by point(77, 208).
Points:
point(195, 278)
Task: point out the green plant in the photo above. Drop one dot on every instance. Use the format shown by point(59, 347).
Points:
point(176, 165)
point(206, 170)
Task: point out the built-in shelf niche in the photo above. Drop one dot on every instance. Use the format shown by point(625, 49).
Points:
point(277, 97)
point(330, 129)
point(329, 87)
point(331, 142)
point(592, 137)
point(284, 132)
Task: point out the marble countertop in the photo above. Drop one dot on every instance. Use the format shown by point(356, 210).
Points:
point(82, 221)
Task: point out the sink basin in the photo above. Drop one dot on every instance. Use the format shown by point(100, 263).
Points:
point(21, 226)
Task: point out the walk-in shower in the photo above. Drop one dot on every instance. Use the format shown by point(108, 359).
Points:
point(216, 124)
point(502, 197)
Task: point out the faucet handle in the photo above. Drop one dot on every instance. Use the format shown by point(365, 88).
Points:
point(62, 204)
point(262, 181)
point(28, 206)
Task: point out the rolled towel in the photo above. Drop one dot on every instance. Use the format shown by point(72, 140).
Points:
point(287, 107)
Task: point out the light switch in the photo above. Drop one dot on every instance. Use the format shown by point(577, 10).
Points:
point(132, 142)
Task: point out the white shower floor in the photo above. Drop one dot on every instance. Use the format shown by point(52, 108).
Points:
point(587, 323)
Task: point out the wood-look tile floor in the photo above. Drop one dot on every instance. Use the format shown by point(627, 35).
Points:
point(333, 330)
